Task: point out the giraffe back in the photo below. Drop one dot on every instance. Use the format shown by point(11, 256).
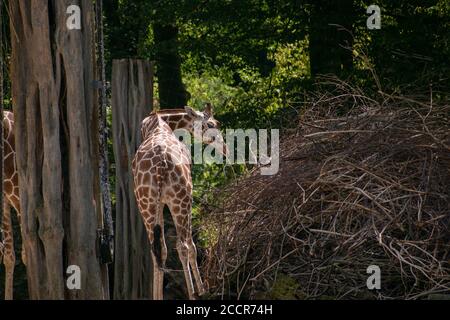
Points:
point(161, 167)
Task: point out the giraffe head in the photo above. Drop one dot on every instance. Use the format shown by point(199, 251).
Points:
point(204, 122)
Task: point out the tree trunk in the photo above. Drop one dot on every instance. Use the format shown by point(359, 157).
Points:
point(172, 93)
point(52, 73)
point(132, 101)
point(330, 44)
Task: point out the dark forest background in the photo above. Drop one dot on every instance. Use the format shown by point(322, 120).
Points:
point(254, 59)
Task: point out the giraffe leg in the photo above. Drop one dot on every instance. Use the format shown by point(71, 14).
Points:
point(15, 203)
point(158, 269)
point(194, 265)
point(181, 217)
point(23, 255)
point(183, 253)
point(158, 277)
point(2, 250)
point(153, 221)
point(9, 257)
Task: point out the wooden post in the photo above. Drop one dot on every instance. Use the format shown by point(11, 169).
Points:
point(56, 127)
point(132, 101)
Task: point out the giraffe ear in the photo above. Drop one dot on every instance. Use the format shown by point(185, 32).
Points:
point(209, 110)
point(191, 112)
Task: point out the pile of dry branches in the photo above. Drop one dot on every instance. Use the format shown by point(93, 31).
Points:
point(371, 188)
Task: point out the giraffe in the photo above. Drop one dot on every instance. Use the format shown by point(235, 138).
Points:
point(162, 176)
point(11, 199)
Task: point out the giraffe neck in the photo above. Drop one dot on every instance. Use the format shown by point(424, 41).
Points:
point(177, 119)
point(154, 124)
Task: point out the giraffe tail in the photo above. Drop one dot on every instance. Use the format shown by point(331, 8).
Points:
point(157, 232)
point(1, 251)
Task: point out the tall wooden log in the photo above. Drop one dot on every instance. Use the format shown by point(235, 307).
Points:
point(52, 73)
point(132, 100)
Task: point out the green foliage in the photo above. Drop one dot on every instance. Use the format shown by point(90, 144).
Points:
point(284, 288)
point(412, 48)
point(251, 58)
point(257, 101)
